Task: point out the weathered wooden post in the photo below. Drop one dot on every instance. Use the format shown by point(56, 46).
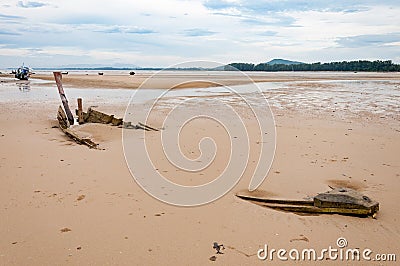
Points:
point(58, 77)
point(80, 112)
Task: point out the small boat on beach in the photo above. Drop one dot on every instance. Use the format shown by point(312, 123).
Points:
point(23, 73)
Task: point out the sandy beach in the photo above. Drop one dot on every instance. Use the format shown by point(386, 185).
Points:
point(62, 203)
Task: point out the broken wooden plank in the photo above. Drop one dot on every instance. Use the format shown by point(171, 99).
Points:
point(62, 118)
point(93, 116)
point(78, 139)
point(149, 127)
point(116, 121)
point(317, 210)
point(58, 78)
point(141, 127)
point(128, 125)
point(275, 201)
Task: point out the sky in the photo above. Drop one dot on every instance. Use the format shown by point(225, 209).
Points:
point(161, 33)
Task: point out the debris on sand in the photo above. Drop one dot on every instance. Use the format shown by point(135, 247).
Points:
point(94, 116)
point(81, 197)
point(66, 119)
point(128, 125)
point(65, 230)
point(218, 247)
point(343, 201)
point(64, 126)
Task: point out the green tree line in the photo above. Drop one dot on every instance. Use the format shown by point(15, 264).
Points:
point(361, 65)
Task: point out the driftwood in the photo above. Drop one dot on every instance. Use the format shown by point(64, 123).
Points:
point(78, 139)
point(128, 125)
point(64, 126)
point(93, 116)
point(62, 118)
point(339, 200)
point(58, 77)
point(148, 127)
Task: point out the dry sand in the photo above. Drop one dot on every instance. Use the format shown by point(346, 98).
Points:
point(62, 203)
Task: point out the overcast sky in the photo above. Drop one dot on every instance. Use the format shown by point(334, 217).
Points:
point(160, 33)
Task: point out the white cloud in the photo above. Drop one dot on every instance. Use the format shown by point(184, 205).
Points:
point(30, 4)
point(162, 32)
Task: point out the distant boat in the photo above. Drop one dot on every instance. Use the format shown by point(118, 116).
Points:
point(23, 73)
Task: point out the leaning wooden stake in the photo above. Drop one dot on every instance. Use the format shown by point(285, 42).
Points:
point(80, 112)
point(58, 77)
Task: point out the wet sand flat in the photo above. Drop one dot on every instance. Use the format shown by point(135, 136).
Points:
point(198, 79)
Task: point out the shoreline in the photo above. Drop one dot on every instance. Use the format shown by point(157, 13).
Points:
point(202, 79)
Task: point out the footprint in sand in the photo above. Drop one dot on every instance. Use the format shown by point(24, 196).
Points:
point(213, 258)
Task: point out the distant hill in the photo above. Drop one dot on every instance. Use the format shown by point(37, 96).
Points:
point(218, 68)
point(283, 62)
